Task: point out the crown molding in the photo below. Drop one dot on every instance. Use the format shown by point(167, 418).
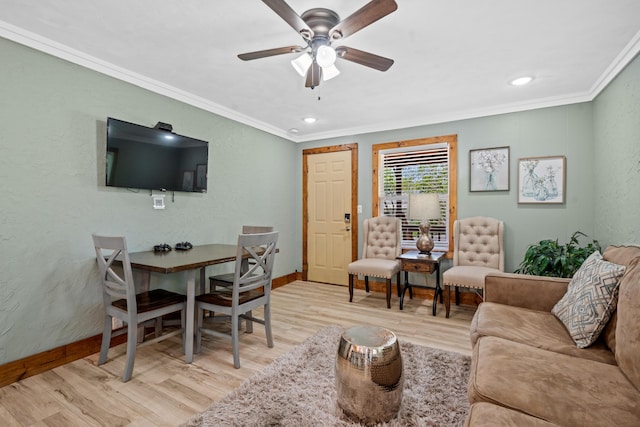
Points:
point(66, 53)
point(450, 117)
point(74, 56)
point(623, 59)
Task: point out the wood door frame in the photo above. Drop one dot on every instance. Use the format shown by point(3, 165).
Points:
point(305, 198)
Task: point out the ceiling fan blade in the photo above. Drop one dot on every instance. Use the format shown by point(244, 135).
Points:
point(270, 52)
point(313, 75)
point(364, 58)
point(290, 16)
point(366, 15)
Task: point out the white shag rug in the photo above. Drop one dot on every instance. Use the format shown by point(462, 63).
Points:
point(298, 389)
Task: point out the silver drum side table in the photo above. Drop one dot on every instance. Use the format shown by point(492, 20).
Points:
point(369, 377)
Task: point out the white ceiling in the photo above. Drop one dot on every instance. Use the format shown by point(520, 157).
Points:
point(453, 59)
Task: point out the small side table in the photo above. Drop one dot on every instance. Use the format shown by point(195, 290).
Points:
point(416, 262)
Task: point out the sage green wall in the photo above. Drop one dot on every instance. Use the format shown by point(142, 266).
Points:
point(52, 197)
point(52, 136)
point(554, 131)
point(616, 173)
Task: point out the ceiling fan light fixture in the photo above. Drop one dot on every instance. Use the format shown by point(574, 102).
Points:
point(325, 56)
point(302, 63)
point(329, 72)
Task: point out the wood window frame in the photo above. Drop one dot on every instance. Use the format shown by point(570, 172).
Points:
point(452, 141)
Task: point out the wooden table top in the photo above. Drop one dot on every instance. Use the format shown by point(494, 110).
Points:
point(175, 261)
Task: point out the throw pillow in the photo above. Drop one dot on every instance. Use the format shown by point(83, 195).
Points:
point(591, 299)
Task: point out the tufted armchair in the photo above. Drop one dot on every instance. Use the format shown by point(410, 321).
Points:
point(478, 249)
point(382, 245)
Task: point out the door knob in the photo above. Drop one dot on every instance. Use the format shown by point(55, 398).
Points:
point(347, 228)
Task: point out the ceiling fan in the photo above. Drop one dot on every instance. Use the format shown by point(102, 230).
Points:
point(321, 27)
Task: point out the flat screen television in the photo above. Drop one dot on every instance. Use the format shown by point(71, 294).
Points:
point(140, 157)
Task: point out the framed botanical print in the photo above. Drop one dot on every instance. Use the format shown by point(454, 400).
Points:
point(489, 169)
point(541, 179)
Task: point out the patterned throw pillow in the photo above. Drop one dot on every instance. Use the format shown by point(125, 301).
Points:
point(591, 299)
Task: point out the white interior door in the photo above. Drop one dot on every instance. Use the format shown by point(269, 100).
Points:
point(329, 208)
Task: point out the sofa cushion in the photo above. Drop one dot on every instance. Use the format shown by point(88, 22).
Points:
point(560, 389)
point(628, 327)
point(623, 255)
point(532, 327)
point(489, 415)
point(590, 300)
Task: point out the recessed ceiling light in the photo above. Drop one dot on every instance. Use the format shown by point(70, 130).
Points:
point(309, 120)
point(294, 130)
point(521, 81)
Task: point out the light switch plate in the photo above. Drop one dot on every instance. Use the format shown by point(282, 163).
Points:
point(359, 208)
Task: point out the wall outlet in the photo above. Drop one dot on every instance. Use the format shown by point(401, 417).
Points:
point(158, 202)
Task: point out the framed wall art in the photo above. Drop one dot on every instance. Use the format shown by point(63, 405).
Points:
point(489, 169)
point(541, 179)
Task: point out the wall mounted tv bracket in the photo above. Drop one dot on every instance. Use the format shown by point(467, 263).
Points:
point(163, 126)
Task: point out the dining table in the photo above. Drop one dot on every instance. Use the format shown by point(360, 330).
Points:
point(191, 261)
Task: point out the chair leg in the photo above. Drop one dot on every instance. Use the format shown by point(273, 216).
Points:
point(199, 321)
point(366, 283)
point(248, 321)
point(183, 318)
point(158, 326)
point(234, 340)
point(267, 325)
point(389, 293)
point(457, 295)
point(132, 341)
point(351, 288)
point(398, 283)
point(106, 340)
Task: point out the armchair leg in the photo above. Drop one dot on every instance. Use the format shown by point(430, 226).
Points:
point(351, 288)
point(457, 295)
point(366, 284)
point(389, 293)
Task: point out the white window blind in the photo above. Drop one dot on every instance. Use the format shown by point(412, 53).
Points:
point(418, 169)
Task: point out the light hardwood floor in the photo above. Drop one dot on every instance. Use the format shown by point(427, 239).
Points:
point(164, 391)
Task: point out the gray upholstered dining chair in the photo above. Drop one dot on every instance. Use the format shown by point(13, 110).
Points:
point(226, 280)
point(478, 244)
point(382, 246)
point(251, 289)
point(122, 302)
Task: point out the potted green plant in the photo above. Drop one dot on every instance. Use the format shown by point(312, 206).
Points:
point(549, 258)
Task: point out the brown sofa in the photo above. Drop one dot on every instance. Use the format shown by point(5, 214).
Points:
point(526, 369)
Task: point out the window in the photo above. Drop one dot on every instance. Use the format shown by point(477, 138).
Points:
point(418, 166)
